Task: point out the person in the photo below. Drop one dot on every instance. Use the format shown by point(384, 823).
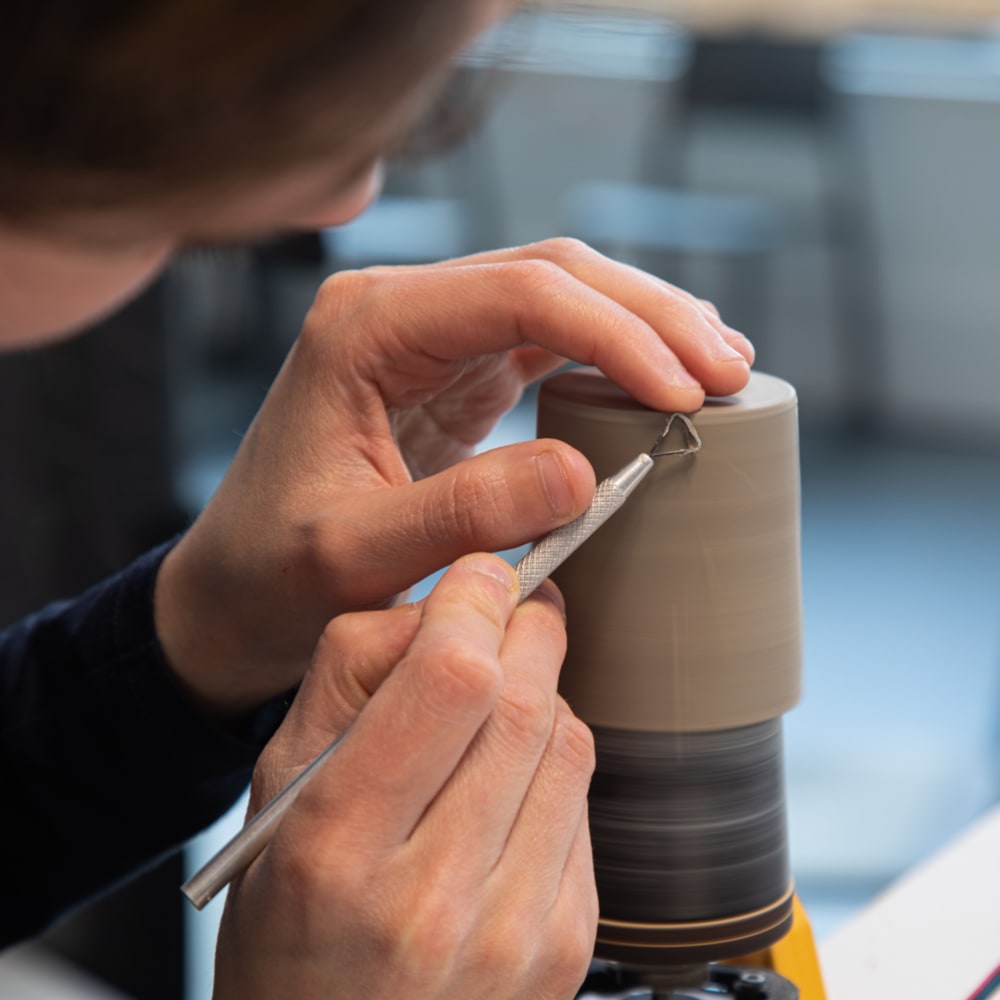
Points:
point(444, 849)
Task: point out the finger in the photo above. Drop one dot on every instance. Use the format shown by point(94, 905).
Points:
point(575, 911)
point(507, 305)
point(547, 936)
point(411, 736)
point(737, 340)
point(643, 292)
point(547, 828)
point(734, 336)
point(559, 249)
point(533, 363)
point(354, 655)
point(491, 502)
point(695, 333)
point(466, 828)
point(542, 896)
point(713, 352)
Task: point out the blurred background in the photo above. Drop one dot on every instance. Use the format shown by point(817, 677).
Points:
point(826, 173)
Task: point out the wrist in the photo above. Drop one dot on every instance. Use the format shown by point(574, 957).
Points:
point(203, 642)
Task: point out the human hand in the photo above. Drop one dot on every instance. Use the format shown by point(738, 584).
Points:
point(443, 850)
point(357, 479)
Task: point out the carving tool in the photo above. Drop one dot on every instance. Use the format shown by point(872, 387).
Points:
point(546, 555)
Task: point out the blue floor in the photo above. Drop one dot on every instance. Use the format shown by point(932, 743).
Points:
point(894, 746)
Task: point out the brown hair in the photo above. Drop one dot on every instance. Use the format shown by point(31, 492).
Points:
point(118, 102)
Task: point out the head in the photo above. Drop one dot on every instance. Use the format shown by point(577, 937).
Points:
point(129, 128)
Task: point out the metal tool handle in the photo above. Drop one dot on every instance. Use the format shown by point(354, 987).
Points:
point(558, 545)
point(235, 856)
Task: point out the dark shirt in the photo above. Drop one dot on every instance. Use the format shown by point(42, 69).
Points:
point(106, 766)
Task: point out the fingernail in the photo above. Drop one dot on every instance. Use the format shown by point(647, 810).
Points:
point(494, 567)
point(555, 484)
point(721, 351)
point(682, 379)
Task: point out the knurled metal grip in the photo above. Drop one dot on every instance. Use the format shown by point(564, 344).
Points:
point(551, 551)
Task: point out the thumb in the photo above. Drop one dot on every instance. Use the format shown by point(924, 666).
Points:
point(487, 503)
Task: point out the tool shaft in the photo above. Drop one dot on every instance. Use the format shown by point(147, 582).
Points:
point(235, 857)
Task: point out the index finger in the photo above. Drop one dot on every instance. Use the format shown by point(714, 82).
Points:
point(657, 341)
point(697, 323)
point(489, 309)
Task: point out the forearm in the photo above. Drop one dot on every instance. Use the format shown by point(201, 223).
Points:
point(109, 764)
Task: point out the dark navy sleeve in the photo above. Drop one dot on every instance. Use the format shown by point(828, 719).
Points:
point(106, 765)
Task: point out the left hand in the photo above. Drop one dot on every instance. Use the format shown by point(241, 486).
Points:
point(357, 478)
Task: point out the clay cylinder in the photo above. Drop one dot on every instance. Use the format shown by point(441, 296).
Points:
point(685, 608)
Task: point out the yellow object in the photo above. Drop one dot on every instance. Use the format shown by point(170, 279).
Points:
point(794, 957)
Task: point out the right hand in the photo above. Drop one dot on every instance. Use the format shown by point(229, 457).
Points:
point(443, 851)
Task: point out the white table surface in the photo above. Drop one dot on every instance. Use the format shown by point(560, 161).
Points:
point(31, 972)
point(935, 933)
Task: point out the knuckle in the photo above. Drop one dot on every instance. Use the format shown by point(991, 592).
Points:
point(314, 870)
point(279, 762)
point(567, 248)
point(536, 275)
point(337, 637)
point(349, 292)
point(339, 661)
point(573, 744)
point(327, 552)
point(509, 948)
point(484, 598)
point(423, 932)
point(552, 957)
point(463, 674)
point(297, 877)
point(569, 956)
point(347, 286)
point(545, 608)
point(469, 507)
point(525, 712)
